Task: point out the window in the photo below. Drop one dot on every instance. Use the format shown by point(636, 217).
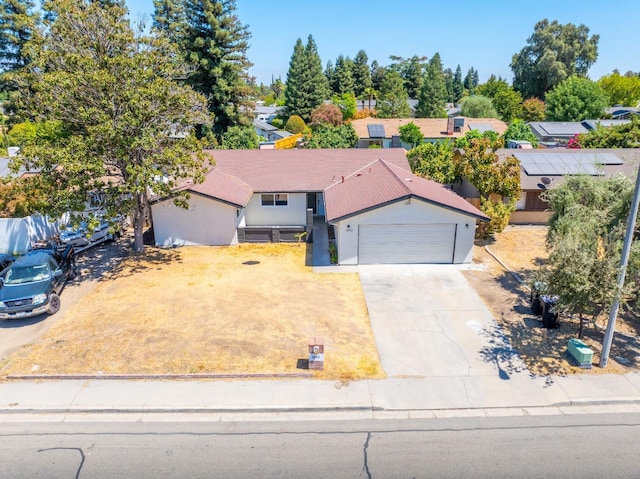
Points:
point(274, 199)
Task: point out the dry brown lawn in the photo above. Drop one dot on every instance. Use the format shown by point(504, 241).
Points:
point(522, 249)
point(241, 309)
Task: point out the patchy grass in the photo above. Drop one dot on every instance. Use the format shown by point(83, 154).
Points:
point(543, 350)
point(240, 309)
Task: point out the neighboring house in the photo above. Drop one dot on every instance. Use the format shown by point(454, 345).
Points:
point(558, 133)
point(385, 132)
point(593, 124)
point(380, 211)
point(622, 112)
point(266, 113)
point(546, 169)
point(269, 132)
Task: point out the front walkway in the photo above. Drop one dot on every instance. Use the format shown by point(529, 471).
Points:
point(320, 242)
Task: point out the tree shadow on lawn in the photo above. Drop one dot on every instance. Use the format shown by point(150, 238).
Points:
point(109, 260)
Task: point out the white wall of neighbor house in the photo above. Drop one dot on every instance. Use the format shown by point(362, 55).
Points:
point(293, 214)
point(206, 222)
point(413, 212)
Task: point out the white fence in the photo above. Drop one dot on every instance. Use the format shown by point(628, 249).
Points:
point(17, 235)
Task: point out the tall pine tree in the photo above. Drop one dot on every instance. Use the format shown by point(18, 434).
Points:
point(458, 86)
point(392, 101)
point(307, 85)
point(216, 42)
point(343, 76)
point(169, 18)
point(17, 23)
point(361, 74)
point(433, 93)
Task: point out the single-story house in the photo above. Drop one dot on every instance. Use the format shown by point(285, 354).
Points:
point(558, 133)
point(268, 131)
point(380, 212)
point(622, 112)
point(385, 132)
point(541, 170)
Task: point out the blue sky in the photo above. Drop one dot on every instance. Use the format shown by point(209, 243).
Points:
point(483, 34)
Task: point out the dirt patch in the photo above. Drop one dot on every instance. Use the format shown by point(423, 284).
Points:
point(522, 250)
point(241, 309)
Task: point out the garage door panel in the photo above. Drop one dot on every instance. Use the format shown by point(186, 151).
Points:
point(398, 244)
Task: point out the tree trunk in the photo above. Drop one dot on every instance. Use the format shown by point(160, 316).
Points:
point(581, 326)
point(139, 205)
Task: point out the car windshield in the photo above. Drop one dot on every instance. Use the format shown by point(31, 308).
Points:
point(27, 274)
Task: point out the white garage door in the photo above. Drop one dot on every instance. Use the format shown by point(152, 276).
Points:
point(396, 244)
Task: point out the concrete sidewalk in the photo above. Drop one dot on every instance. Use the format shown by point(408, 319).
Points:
point(305, 395)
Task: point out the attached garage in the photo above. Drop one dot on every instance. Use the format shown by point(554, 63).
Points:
point(401, 243)
point(383, 214)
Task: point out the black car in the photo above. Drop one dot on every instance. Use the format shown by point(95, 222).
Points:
point(34, 282)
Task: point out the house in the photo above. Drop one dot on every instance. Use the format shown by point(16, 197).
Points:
point(385, 132)
point(269, 132)
point(380, 212)
point(541, 170)
point(622, 112)
point(558, 133)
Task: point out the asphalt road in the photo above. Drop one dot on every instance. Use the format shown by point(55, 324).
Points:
point(580, 446)
point(92, 265)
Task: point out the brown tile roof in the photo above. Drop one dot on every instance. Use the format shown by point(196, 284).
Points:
point(290, 171)
point(223, 187)
point(430, 127)
point(630, 160)
point(381, 182)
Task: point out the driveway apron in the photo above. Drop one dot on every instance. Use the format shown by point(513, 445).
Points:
point(429, 322)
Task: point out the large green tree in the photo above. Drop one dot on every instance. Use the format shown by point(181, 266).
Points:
point(519, 130)
point(533, 109)
point(240, 138)
point(116, 95)
point(307, 85)
point(585, 239)
point(326, 136)
point(216, 42)
point(622, 89)
point(433, 93)
point(458, 85)
point(411, 134)
point(506, 101)
point(433, 161)
point(411, 70)
point(477, 107)
point(575, 99)
point(392, 99)
point(553, 53)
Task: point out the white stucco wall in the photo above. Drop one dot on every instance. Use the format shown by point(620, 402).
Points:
point(416, 212)
point(294, 214)
point(206, 222)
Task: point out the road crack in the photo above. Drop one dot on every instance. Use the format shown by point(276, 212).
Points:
point(366, 457)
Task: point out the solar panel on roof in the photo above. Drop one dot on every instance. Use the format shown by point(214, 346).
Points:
point(481, 127)
point(376, 131)
point(563, 128)
point(566, 163)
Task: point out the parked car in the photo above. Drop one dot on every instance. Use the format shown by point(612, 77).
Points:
point(81, 238)
point(5, 262)
point(34, 282)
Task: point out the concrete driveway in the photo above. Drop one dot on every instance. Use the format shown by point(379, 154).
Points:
point(429, 322)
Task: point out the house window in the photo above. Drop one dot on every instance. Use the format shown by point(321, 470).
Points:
point(274, 199)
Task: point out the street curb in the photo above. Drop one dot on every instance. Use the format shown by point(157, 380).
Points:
point(83, 377)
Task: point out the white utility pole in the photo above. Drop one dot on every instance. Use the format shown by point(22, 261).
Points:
point(624, 259)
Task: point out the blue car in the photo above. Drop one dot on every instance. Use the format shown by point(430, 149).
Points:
point(33, 283)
